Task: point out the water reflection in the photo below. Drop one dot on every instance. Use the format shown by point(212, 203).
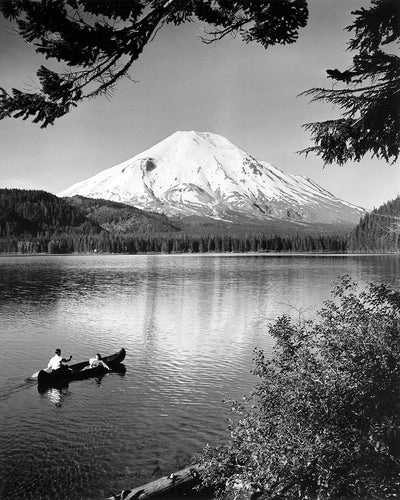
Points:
point(57, 391)
point(28, 280)
point(119, 369)
point(189, 324)
point(56, 395)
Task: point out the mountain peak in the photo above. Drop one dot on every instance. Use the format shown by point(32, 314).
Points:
point(204, 174)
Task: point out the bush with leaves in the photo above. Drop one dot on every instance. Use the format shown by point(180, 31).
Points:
point(324, 420)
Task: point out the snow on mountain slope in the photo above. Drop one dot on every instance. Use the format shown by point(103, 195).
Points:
point(204, 174)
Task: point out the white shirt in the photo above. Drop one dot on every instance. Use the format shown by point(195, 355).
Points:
point(55, 362)
point(94, 362)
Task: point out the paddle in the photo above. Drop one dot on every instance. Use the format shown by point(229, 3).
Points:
point(47, 370)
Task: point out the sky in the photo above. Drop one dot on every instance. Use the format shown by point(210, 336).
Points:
point(241, 91)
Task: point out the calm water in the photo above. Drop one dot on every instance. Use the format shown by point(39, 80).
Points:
point(189, 325)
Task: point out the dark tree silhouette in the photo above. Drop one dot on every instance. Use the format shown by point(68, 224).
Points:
point(368, 93)
point(379, 230)
point(99, 40)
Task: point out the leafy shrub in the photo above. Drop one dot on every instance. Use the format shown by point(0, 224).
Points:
point(323, 422)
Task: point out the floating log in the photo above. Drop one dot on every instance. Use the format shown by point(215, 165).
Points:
point(174, 483)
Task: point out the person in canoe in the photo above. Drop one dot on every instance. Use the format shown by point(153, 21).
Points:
point(97, 361)
point(56, 362)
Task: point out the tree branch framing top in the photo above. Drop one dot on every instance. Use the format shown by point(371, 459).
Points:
point(98, 41)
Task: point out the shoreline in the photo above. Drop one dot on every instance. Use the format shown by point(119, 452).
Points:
point(205, 254)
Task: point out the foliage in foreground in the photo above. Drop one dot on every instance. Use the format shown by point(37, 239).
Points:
point(324, 420)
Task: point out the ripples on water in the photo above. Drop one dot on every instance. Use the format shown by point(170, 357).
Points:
point(189, 324)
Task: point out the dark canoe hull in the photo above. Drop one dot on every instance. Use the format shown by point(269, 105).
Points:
point(79, 371)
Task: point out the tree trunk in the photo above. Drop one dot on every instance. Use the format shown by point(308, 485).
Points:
point(176, 482)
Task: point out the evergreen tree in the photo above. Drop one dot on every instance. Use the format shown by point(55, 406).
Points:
point(378, 231)
point(368, 93)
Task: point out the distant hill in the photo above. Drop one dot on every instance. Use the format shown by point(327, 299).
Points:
point(196, 225)
point(37, 213)
point(379, 230)
point(24, 211)
point(117, 217)
point(40, 222)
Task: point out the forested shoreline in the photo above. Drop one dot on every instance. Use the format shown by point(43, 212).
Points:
point(378, 231)
point(37, 222)
point(104, 243)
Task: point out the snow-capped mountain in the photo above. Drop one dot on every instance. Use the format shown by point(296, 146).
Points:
point(204, 174)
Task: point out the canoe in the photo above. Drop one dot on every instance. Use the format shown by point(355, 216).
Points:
point(80, 371)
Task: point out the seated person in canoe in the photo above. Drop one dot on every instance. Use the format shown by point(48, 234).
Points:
point(56, 362)
point(97, 361)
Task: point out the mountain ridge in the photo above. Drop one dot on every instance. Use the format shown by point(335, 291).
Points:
point(204, 174)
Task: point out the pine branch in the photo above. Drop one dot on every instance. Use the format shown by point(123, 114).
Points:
point(328, 94)
point(370, 120)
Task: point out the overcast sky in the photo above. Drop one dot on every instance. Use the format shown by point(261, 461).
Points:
point(241, 91)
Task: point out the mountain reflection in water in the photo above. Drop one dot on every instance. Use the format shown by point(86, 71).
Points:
point(189, 324)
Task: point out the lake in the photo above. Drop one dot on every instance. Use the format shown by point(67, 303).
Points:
point(189, 324)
